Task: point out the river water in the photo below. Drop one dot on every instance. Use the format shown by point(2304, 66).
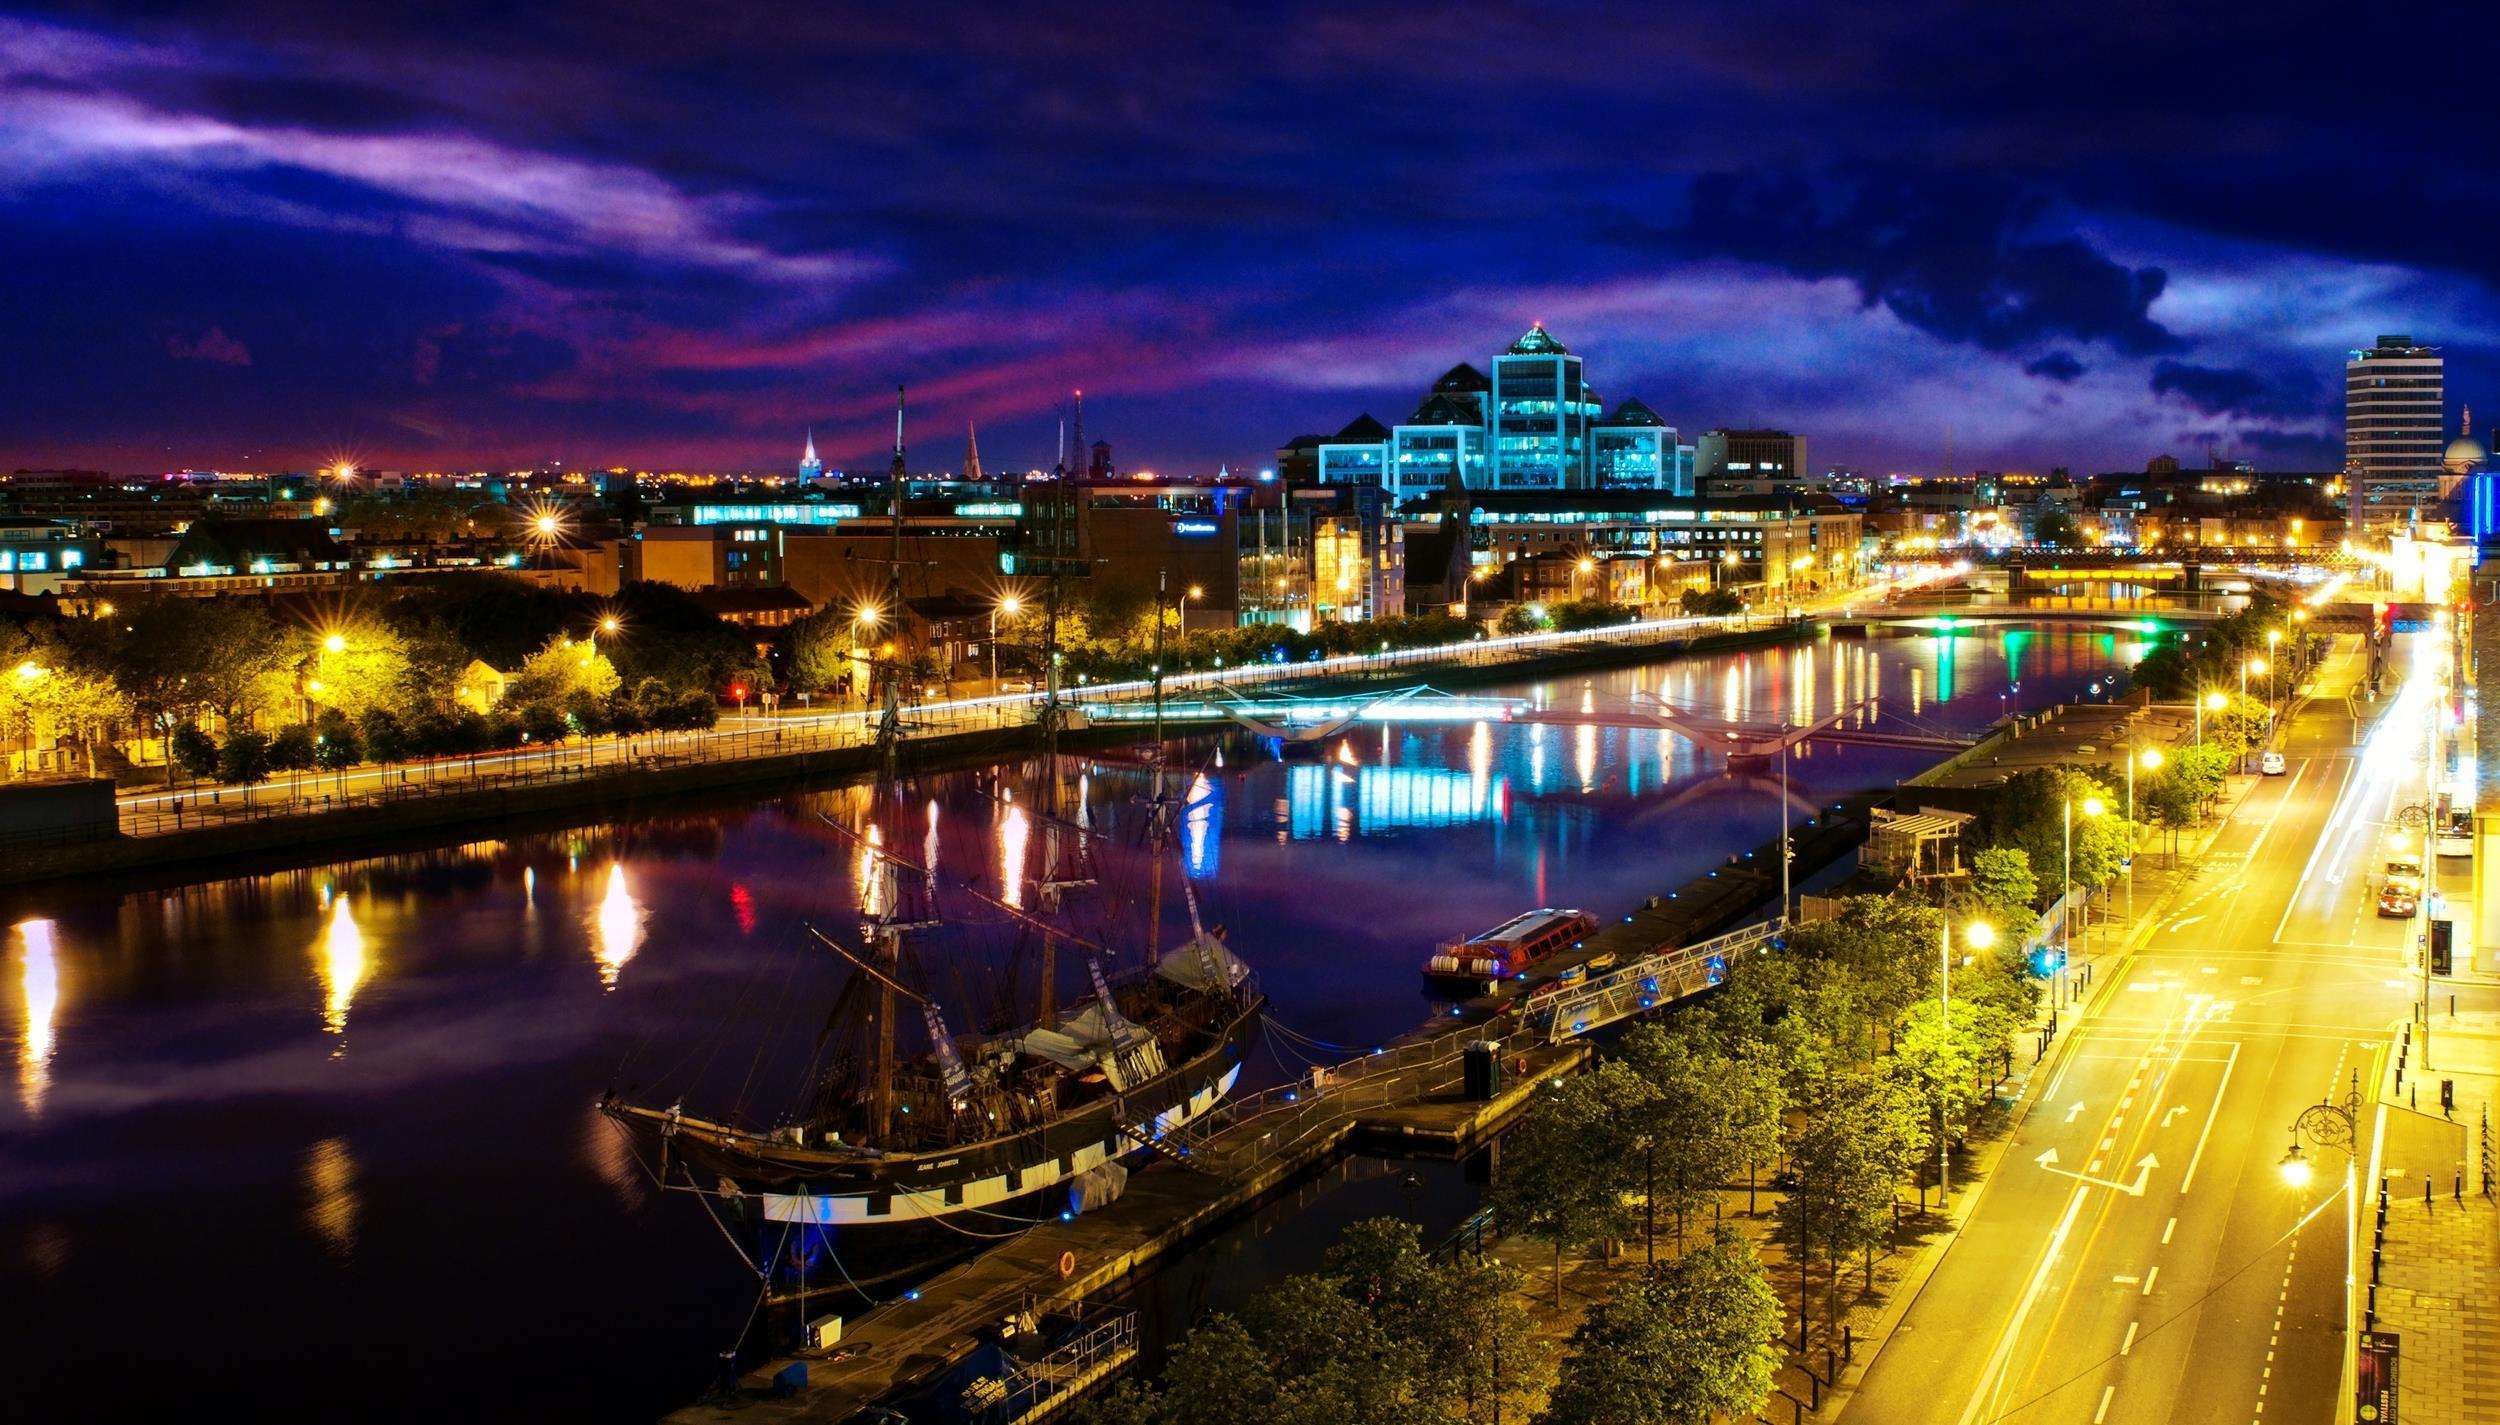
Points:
point(324, 1140)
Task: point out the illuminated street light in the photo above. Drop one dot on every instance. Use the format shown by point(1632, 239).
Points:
point(2295, 1168)
point(1979, 935)
point(610, 624)
point(335, 643)
point(29, 671)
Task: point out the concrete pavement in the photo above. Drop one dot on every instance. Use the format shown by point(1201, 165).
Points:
point(2138, 1256)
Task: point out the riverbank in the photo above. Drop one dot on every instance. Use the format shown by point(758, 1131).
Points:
point(553, 791)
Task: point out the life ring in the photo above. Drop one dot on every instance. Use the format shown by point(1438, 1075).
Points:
point(1067, 1265)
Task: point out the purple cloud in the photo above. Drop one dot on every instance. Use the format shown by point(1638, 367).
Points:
point(213, 346)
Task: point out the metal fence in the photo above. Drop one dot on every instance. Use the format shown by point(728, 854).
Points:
point(149, 812)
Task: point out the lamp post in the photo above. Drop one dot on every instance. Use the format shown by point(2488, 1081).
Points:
point(2248, 666)
point(2210, 701)
point(2328, 1124)
point(2152, 763)
point(1010, 606)
point(1979, 934)
point(2066, 913)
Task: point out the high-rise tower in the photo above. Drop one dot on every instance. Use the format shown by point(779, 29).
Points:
point(2395, 404)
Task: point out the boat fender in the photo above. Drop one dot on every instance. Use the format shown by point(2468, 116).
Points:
point(1067, 1265)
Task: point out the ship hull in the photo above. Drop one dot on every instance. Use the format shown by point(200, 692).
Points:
point(1021, 1175)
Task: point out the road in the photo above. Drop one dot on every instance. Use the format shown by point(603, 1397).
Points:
point(2136, 1254)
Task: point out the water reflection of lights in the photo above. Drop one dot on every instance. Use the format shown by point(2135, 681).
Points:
point(330, 1192)
point(872, 878)
point(1015, 834)
point(619, 924)
point(343, 965)
point(1200, 844)
point(1384, 799)
point(1584, 757)
point(39, 974)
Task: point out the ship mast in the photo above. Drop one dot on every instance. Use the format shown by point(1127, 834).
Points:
point(1158, 824)
point(889, 939)
point(890, 725)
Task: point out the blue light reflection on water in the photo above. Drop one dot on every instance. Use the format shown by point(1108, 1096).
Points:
point(383, 1143)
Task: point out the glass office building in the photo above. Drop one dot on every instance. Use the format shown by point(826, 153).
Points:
point(1533, 424)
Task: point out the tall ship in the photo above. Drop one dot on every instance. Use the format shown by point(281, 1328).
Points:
point(1014, 1125)
point(904, 1124)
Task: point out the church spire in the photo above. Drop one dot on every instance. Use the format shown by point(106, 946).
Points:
point(972, 452)
point(809, 466)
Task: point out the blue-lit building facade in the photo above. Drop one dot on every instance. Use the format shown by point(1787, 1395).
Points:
point(1533, 424)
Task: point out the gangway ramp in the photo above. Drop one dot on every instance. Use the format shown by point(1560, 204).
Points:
point(1645, 984)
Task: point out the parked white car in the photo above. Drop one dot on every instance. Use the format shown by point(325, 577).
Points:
point(2271, 764)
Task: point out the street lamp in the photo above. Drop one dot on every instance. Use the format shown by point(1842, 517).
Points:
point(335, 643)
point(2328, 1124)
point(2213, 702)
point(1979, 935)
point(2248, 666)
point(2066, 913)
point(1009, 605)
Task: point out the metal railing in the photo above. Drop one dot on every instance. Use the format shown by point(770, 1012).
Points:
point(1069, 1369)
point(1643, 984)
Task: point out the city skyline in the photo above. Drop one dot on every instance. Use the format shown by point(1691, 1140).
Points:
point(681, 243)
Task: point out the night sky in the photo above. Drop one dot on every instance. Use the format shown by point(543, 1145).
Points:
point(280, 233)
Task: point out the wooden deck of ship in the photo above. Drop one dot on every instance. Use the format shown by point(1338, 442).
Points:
point(1414, 1108)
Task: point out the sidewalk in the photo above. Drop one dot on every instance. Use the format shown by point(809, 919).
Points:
point(2439, 1273)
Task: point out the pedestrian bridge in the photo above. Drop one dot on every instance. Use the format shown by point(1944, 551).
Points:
point(1302, 720)
point(1644, 984)
point(1954, 618)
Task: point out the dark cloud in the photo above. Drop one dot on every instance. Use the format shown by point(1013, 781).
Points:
point(2238, 391)
point(1969, 259)
point(555, 226)
point(2058, 366)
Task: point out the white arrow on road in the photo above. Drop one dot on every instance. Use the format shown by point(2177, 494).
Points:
point(2070, 1114)
point(2175, 1110)
point(2143, 1174)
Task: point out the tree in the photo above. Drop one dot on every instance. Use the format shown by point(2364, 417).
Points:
point(2002, 891)
point(1680, 1134)
point(817, 649)
point(337, 746)
point(194, 751)
point(2030, 813)
point(244, 760)
point(1711, 603)
point(1689, 1341)
point(1524, 618)
point(559, 670)
point(177, 658)
point(1560, 1178)
point(2056, 529)
point(1859, 1138)
point(291, 750)
point(385, 735)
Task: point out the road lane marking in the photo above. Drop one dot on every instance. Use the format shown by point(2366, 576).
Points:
point(2129, 1344)
point(2103, 1413)
point(2073, 1109)
point(2199, 1155)
point(2167, 1228)
point(2125, 1281)
point(2184, 924)
point(1983, 1397)
point(2174, 1111)
point(2148, 1281)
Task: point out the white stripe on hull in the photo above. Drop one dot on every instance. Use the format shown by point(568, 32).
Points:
point(847, 1211)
